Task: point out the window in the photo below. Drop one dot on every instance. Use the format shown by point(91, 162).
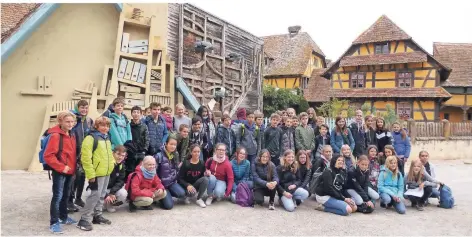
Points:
point(304, 82)
point(315, 62)
point(382, 49)
point(446, 116)
point(404, 109)
point(469, 116)
point(404, 79)
point(357, 80)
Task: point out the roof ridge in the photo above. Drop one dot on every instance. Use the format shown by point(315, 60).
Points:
point(450, 43)
point(383, 29)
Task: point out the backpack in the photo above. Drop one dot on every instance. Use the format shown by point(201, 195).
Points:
point(108, 113)
point(446, 200)
point(128, 185)
point(44, 143)
point(244, 196)
point(314, 181)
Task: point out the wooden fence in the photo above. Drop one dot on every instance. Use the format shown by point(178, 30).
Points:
point(328, 121)
point(442, 130)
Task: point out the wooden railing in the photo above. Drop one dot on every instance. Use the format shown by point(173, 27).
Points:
point(461, 129)
point(443, 130)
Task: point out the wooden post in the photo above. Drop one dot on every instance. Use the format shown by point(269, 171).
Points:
point(412, 129)
point(446, 129)
point(35, 166)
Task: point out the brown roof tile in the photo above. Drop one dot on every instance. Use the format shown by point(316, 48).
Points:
point(318, 87)
point(382, 30)
point(291, 54)
point(13, 15)
point(457, 56)
point(437, 92)
point(378, 59)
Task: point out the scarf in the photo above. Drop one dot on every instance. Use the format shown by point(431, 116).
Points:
point(148, 174)
point(219, 160)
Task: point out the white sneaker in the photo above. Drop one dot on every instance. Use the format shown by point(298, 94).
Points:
point(201, 203)
point(110, 208)
point(186, 200)
point(218, 199)
point(209, 201)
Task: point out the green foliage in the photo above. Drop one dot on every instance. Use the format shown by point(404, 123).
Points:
point(336, 107)
point(367, 109)
point(280, 99)
point(390, 116)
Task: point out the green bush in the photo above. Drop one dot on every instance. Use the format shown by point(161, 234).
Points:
point(280, 99)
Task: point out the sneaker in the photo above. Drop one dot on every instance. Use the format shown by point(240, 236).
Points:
point(147, 208)
point(187, 200)
point(390, 205)
point(271, 206)
point(117, 203)
point(132, 207)
point(218, 199)
point(209, 201)
point(56, 228)
point(414, 204)
point(200, 203)
point(110, 207)
point(79, 202)
point(68, 221)
point(298, 202)
point(420, 207)
point(319, 207)
point(100, 220)
point(84, 225)
point(71, 207)
point(383, 205)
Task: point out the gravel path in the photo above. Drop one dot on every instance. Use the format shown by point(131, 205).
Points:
point(26, 198)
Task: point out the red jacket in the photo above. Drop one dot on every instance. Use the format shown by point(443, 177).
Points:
point(222, 171)
point(68, 156)
point(141, 187)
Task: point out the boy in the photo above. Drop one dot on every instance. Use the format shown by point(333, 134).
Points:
point(120, 130)
point(226, 136)
point(168, 117)
point(245, 137)
point(98, 164)
point(295, 122)
point(198, 137)
point(291, 112)
point(116, 194)
point(288, 137)
point(137, 148)
point(319, 120)
point(183, 141)
point(157, 129)
point(304, 136)
point(260, 128)
point(83, 127)
point(321, 140)
point(181, 118)
point(273, 139)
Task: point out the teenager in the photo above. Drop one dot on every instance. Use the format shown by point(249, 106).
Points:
point(183, 141)
point(340, 136)
point(358, 186)
point(208, 128)
point(289, 188)
point(357, 128)
point(418, 178)
point(136, 150)
point(265, 179)
point(349, 159)
point(430, 169)
point(180, 118)
point(295, 122)
point(323, 162)
point(329, 190)
point(321, 140)
point(246, 137)
point(82, 127)
point(241, 170)
point(168, 162)
point(241, 114)
point(167, 114)
point(144, 186)
point(63, 166)
point(291, 112)
point(120, 130)
point(116, 194)
point(304, 136)
point(311, 118)
point(390, 186)
point(288, 135)
point(389, 150)
point(304, 166)
point(226, 136)
point(284, 117)
point(273, 139)
point(197, 137)
point(157, 129)
point(98, 165)
point(260, 129)
point(374, 166)
point(384, 137)
point(370, 136)
point(401, 143)
point(220, 172)
point(192, 175)
point(319, 120)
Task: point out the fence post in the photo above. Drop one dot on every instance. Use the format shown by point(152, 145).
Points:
point(412, 129)
point(446, 129)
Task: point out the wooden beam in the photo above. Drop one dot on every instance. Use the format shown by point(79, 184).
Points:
point(223, 68)
point(181, 40)
point(194, 31)
point(368, 50)
point(214, 70)
point(215, 56)
point(339, 81)
point(426, 78)
point(195, 23)
point(396, 46)
point(194, 66)
point(234, 68)
point(422, 111)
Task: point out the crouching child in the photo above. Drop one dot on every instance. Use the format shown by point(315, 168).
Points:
point(116, 194)
point(358, 186)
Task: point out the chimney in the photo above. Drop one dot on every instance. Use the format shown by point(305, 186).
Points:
point(293, 30)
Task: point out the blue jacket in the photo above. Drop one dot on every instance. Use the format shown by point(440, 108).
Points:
point(157, 134)
point(81, 129)
point(226, 136)
point(337, 141)
point(120, 130)
point(402, 147)
point(390, 185)
point(242, 172)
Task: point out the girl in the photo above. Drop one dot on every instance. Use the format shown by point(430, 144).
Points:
point(340, 136)
point(329, 190)
point(384, 137)
point(208, 128)
point(374, 166)
point(401, 143)
point(305, 168)
point(265, 179)
point(289, 188)
point(219, 169)
point(371, 138)
point(418, 178)
point(63, 166)
point(241, 170)
point(391, 186)
point(358, 186)
point(311, 118)
point(349, 159)
point(390, 151)
point(168, 163)
point(192, 176)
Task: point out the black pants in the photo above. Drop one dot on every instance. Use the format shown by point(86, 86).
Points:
point(275, 160)
point(428, 190)
point(77, 184)
point(200, 185)
point(131, 162)
point(260, 193)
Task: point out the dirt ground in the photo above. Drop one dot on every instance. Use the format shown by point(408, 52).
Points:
point(26, 198)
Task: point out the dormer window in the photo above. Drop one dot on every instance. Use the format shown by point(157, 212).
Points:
point(382, 49)
point(267, 61)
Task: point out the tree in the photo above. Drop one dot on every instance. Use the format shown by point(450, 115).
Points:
point(280, 99)
point(390, 116)
point(335, 107)
point(367, 109)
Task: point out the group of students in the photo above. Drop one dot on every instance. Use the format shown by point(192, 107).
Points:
point(156, 159)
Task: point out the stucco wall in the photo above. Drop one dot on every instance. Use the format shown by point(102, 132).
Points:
point(71, 47)
point(443, 150)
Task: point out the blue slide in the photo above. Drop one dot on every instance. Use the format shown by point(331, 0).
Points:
point(186, 93)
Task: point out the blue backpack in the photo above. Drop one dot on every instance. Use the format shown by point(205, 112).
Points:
point(44, 143)
point(446, 200)
point(244, 196)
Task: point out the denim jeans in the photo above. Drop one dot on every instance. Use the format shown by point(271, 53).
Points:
point(387, 199)
point(250, 184)
point(336, 206)
point(373, 195)
point(299, 194)
point(174, 190)
point(216, 186)
point(61, 185)
point(435, 193)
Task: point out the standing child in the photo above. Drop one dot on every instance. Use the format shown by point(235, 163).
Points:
point(208, 128)
point(192, 175)
point(295, 123)
point(374, 166)
point(370, 137)
point(260, 129)
point(167, 114)
point(304, 165)
point(226, 136)
point(116, 194)
point(418, 178)
point(311, 118)
point(358, 186)
point(288, 135)
point(321, 140)
point(98, 165)
point(401, 143)
point(157, 129)
point(63, 165)
point(183, 141)
point(319, 121)
point(291, 193)
point(197, 137)
point(341, 136)
point(140, 143)
point(273, 139)
point(120, 130)
point(245, 136)
point(384, 137)
point(391, 186)
point(305, 136)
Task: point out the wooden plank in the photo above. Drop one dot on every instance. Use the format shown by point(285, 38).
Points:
point(195, 65)
point(422, 111)
point(223, 68)
point(194, 31)
point(426, 78)
point(204, 71)
point(215, 56)
point(190, 76)
point(195, 23)
point(214, 70)
point(181, 40)
point(234, 68)
point(133, 82)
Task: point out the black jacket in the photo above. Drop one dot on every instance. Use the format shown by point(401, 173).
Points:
point(260, 172)
point(139, 133)
point(287, 178)
point(305, 175)
point(331, 182)
point(383, 138)
point(371, 138)
point(359, 136)
point(359, 181)
point(228, 137)
point(319, 164)
point(273, 141)
point(319, 142)
point(117, 179)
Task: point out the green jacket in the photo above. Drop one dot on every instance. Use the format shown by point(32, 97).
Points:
point(101, 162)
point(304, 138)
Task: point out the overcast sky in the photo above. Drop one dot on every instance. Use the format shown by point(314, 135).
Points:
point(333, 25)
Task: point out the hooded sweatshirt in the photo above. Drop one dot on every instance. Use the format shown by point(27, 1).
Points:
point(389, 184)
point(117, 179)
point(120, 130)
point(222, 170)
point(287, 178)
point(142, 187)
point(140, 135)
point(359, 181)
point(100, 163)
point(68, 155)
point(332, 182)
point(288, 138)
point(81, 129)
point(402, 147)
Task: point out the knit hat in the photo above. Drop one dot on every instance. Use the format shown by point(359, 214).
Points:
point(241, 114)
